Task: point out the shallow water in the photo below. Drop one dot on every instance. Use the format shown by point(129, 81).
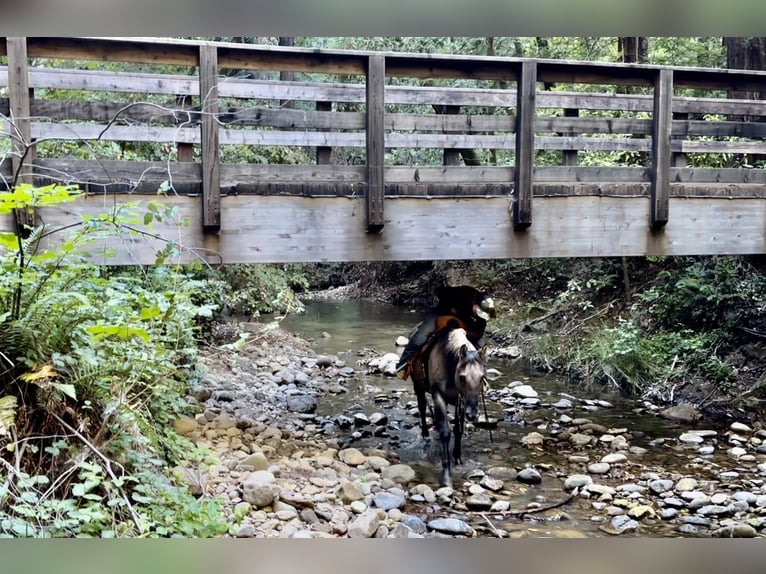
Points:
point(343, 328)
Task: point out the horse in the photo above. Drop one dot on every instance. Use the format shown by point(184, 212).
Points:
point(453, 373)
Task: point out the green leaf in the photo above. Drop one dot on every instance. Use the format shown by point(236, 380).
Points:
point(66, 389)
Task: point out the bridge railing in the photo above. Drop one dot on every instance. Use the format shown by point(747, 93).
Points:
point(363, 126)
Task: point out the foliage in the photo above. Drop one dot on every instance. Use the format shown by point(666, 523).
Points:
point(94, 368)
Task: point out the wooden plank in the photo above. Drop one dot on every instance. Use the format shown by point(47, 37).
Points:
point(376, 136)
point(661, 148)
point(569, 157)
point(323, 153)
point(262, 229)
point(22, 142)
point(525, 146)
point(211, 180)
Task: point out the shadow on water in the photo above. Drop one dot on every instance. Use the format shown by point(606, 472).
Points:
point(343, 328)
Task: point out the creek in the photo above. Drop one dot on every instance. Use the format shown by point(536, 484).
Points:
point(350, 330)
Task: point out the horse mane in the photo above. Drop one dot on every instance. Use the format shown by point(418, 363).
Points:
point(456, 338)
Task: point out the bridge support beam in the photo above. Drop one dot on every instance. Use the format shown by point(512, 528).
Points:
point(211, 158)
point(376, 141)
point(21, 130)
point(525, 145)
point(662, 117)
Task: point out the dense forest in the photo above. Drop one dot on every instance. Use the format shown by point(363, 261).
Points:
point(96, 362)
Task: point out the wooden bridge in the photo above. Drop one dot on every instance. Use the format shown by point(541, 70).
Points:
point(515, 151)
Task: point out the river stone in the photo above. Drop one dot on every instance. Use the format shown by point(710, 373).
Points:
point(736, 452)
point(735, 531)
point(598, 468)
point(576, 481)
point(740, 427)
point(524, 392)
point(361, 420)
point(668, 513)
point(350, 492)
point(357, 506)
point(492, 484)
point(257, 460)
point(619, 525)
point(504, 473)
point(532, 439)
point(413, 523)
point(686, 484)
point(562, 404)
point(706, 450)
point(684, 412)
point(401, 341)
point(352, 456)
point(301, 403)
point(674, 502)
point(500, 506)
point(377, 463)
point(529, 475)
point(719, 498)
point(388, 500)
point(399, 473)
point(184, 425)
point(744, 496)
point(449, 526)
point(365, 525)
point(691, 438)
point(713, 510)
point(478, 502)
point(660, 486)
point(259, 489)
point(579, 439)
point(378, 419)
point(640, 511)
point(614, 458)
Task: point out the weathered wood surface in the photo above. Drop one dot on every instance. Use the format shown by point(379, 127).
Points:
point(279, 229)
point(146, 176)
point(250, 89)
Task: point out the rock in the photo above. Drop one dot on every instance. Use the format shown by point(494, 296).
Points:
point(184, 425)
point(324, 361)
point(614, 458)
point(301, 403)
point(259, 489)
point(619, 525)
point(683, 412)
point(577, 481)
point(357, 506)
point(352, 456)
point(387, 500)
point(450, 526)
point(478, 502)
point(562, 404)
point(660, 486)
point(740, 427)
point(504, 473)
point(257, 460)
point(686, 484)
point(598, 468)
point(524, 392)
point(413, 523)
point(736, 452)
point(399, 473)
point(580, 439)
point(361, 419)
point(365, 525)
point(377, 463)
point(401, 341)
point(350, 492)
point(246, 531)
point(529, 475)
point(378, 419)
point(690, 438)
point(713, 510)
point(735, 531)
point(500, 506)
point(492, 484)
point(668, 513)
point(640, 511)
point(532, 439)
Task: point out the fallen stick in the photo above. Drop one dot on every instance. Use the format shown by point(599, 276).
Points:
point(537, 510)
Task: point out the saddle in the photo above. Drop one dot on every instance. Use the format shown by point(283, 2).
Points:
point(418, 362)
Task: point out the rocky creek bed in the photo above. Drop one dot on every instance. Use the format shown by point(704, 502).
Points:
point(289, 468)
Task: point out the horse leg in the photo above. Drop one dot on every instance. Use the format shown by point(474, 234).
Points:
point(422, 405)
point(458, 430)
point(441, 421)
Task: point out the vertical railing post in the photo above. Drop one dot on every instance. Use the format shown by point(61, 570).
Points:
point(211, 159)
point(662, 118)
point(376, 144)
point(451, 156)
point(23, 148)
point(525, 145)
point(323, 152)
point(569, 156)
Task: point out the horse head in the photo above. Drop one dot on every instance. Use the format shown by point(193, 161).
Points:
point(469, 378)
